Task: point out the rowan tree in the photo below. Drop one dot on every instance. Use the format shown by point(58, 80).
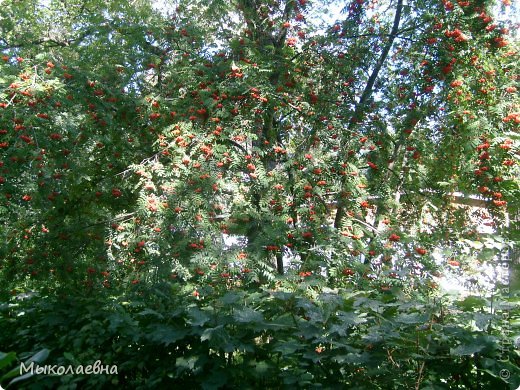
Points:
point(235, 145)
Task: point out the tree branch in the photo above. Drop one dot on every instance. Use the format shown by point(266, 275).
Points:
point(360, 107)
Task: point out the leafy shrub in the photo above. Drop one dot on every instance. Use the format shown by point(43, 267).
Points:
point(296, 335)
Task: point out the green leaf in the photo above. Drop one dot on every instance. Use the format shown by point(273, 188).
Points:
point(466, 349)
point(289, 347)
point(6, 359)
point(11, 374)
point(39, 356)
point(483, 320)
point(282, 295)
point(282, 322)
point(247, 315)
point(21, 378)
point(353, 358)
point(165, 334)
point(184, 364)
point(215, 335)
point(70, 357)
point(197, 317)
point(261, 368)
point(150, 312)
point(231, 297)
point(471, 302)
point(413, 318)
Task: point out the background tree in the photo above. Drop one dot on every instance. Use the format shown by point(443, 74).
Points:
point(245, 147)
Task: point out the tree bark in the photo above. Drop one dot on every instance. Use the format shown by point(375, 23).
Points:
point(367, 93)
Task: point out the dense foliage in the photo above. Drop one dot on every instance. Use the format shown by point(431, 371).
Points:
point(252, 193)
point(267, 339)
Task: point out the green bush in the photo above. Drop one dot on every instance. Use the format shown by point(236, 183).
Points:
point(298, 335)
